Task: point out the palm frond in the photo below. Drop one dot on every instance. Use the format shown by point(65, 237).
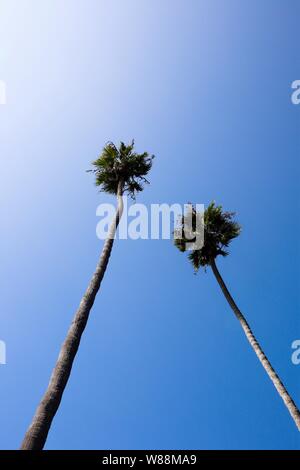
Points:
point(121, 163)
point(220, 229)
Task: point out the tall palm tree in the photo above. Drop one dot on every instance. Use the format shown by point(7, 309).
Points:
point(220, 229)
point(117, 171)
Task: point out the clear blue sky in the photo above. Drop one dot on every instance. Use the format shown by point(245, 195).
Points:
point(205, 85)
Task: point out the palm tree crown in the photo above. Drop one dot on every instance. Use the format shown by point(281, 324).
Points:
point(219, 230)
point(121, 164)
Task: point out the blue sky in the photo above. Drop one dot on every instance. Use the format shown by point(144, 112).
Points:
point(204, 85)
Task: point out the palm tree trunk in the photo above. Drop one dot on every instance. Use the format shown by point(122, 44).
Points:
point(288, 401)
point(37, 432)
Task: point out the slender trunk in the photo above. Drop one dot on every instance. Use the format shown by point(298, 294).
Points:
point(288, 401)
point(37, 432)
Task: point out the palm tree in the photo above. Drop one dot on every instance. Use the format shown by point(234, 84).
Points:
point(117, 171)
point(220, 229)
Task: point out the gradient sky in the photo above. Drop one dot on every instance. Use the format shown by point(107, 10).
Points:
point(205, 85)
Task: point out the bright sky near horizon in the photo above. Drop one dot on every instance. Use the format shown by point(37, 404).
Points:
point(205, 85)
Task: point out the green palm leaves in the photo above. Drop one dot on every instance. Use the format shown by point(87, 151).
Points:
point(220, 229)
point(123, 164)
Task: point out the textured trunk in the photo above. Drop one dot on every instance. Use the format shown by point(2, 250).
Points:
point(37, 432)
point(289, 403)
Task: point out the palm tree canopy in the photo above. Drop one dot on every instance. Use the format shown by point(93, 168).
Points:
point(121, 163)
point(220, 229)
